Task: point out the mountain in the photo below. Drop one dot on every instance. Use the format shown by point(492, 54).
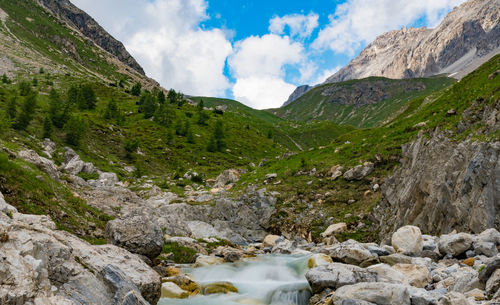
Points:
point(301, 90)
point(467, 37)
point(360, 103)
point(74, 17)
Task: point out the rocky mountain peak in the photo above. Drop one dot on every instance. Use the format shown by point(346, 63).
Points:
point(466, 38)
point(78, 19)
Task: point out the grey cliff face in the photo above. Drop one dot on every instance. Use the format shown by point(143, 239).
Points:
point(442, 186)
point(301, 90)
point(466, 38)
point(67, 12)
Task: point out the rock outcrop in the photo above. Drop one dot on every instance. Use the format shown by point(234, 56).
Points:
point(78, 19)
point(301, 90)
point(443, 185)
point(466, 38)
point(41, 265)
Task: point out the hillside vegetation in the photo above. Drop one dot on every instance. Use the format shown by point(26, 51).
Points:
point(360, 103)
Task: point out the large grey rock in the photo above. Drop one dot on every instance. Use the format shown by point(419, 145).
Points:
point(455, 244)
point(349, 252)
point(416, 275)
point(407, 239)
point(42, 163)
point(493, 283)
point(226, 177)
point(336, 275)
point(359, 172)
point(378, 293)
point(36, 259)
point(485, 248)
point(491, 267)
point(442, 185)
point(386, 273)
point(490, 235)
point(138, 234)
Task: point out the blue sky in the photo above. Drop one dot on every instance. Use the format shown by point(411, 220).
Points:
point(254, 51)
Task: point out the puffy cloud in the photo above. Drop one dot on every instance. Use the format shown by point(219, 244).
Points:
point(298, 25)
point(357, 22)
point(262, 92)
point(258, 65)
point(166, 39)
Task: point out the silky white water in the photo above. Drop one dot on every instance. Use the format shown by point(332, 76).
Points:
point(269, 280)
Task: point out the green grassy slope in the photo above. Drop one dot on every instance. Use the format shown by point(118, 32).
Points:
point(360, 103)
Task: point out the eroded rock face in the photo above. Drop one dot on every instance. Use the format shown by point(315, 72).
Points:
point(41, 265)
point(442, 186)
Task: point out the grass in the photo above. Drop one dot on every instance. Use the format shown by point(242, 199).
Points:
point(360, 103)
point(34, 192)
point(180, 254)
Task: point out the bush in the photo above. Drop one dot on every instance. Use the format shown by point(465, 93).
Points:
point(165, 115)
point(5, 79)
point(5, 122)
point(87, 98)
point(147, 105)
point(75, 128)
point(131, 147)
point(59, 111)
point(12, 108)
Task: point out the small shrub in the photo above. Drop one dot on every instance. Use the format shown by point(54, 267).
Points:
point(180, 254)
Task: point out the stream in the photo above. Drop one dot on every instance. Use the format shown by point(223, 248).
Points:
point(264, 280)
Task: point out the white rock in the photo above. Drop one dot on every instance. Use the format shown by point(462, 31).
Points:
point(408, 239)
point(454, 244)
point(417, 276)
point(336, 275)
point(378, 293)
point(349, 252)
point(387, 274)
point(172, 291)
point(334, 229)
point(270, 240)
point(454, 298)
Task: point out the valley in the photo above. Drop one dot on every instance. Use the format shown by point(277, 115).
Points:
point(362, 190)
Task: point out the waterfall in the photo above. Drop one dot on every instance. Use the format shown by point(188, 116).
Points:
point(264, 280)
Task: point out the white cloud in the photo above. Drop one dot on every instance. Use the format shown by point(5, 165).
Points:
point(262, 92)
point(321, 78)
point(357, 22)
point(258, 64)
point(166, 39)
point(299, 25)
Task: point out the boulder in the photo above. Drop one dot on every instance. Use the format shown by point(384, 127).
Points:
point(335, 172)
point(378, 293)
point(485, 248)
point(334, 229)
point(138, 234)
point(386, 273)
point(229, 254)
point(218, 287)
point(493, 283)
point(490, 268)
point(226, 177)
point(408, 239)
point(349, 252)
point(416, 275)
point(489, 235)
point(42, 163)
point(270, 240)
point(318, 259)
point(37, 258)
point(454, 244)
point(336, 275)
point(359, 172)
point(172, 291)
point(454, 298)
point(284, 246)
point(396, 258)
point(204, 260)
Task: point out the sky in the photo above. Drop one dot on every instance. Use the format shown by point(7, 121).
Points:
point(254, 51)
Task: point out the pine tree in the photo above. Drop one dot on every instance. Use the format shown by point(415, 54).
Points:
point(5, 79)
point(179, 127)
point(12, 108)
point(202, 114)
point(75, 130)
point(136, 89)
point(24, 88)
point(170, 137)
point(165, 115)
point(161, 97)
point(217, 141)
point(188, 132)
point(27, 111)
point(59, 111)
point(5, 122)
point(47, 127)
point(88, 99)
point(148, 105)
point(73, 95)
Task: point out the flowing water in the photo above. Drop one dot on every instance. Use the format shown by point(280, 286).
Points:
point(265, 280)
